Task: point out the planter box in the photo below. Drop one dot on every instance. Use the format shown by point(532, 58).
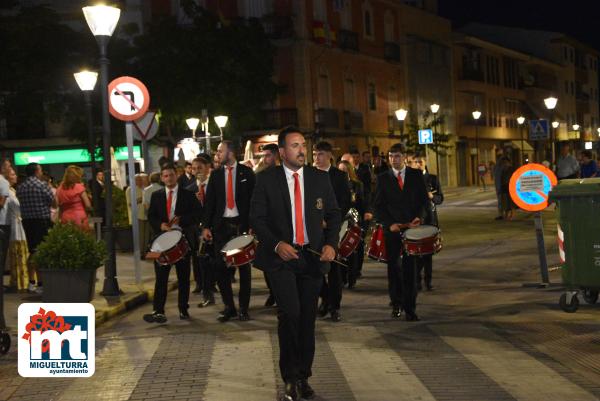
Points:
point(68, 285)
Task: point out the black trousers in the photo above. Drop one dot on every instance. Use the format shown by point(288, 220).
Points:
point(296, 286)
point(162, 278)
point(402, 284)
point(354, 263)
point(331, 291)
point(202, 267)
point(229, 229)
point(4, 242)
point(424, 263)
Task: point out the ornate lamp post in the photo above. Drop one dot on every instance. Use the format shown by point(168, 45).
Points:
point(550, 103)
point(434, 110)
point(86, 80)
point(521, 121)
point(476, 115)
point(221, 122)
point(102, 21)
point(401, 116)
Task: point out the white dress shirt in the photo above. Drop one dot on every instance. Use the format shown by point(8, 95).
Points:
point(402, 174)
point(173, 203)
point(230, 212)
point(291, 183)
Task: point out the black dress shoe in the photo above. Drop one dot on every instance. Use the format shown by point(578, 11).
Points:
point(226, 315)
point(155, 317)
point(305, 390)
point(335, 316)
point(270, 301)
point(244, 316)
point(396, 313)
point(290, 392)
point(323, 309)
point(412, 317)
point(206, 302)
point(184, 315)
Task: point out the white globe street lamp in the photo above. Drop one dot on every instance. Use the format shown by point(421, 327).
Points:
point(555, 124)
point(550, 102)
point(221, 122)
point(401, 114)
point(86, 80)
point(434, 108)
point(476, 114)
point(520, 120)
point(192, 124)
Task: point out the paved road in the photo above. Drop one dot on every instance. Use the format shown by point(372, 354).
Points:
point(483, 337)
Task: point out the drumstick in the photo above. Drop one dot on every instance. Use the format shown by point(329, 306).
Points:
point(334, 260)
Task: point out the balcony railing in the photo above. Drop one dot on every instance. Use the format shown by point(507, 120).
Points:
point(327, 118)
point(471, 75)
point(277, 118)
point(391, 51)
point(348, 40)
point(278, 27)
point(353, 120)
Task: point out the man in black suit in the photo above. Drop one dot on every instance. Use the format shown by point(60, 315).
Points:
point(400, 203)
point(187, 178)
point(288, 209)
point(172, 208)
point(331, 292)
point(201, 264)
point(96, 185)
point(225, 217)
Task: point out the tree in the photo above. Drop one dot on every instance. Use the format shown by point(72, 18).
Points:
point(224, 68)
point(410, 138)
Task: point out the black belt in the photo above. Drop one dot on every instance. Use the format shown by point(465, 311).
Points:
point(304, 247)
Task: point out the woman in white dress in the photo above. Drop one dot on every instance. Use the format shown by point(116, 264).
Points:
point(18, 253)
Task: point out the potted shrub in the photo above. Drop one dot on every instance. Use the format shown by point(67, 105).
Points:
point(68, 259)
point(123, 235)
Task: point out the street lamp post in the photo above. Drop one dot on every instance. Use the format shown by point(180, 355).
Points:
point(476, 115)
point(550, 103)
point(401, 116)
point(576, 129)
point(86, 80)
point(221, 122)
point(102, 21)
point(521, 121)
point(434, 110)
point(192, 124)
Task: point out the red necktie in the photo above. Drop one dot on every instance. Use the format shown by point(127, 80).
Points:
point(400, 182)
point(298, 211)
point(202, 193)
point(230, 201)
point(169, 202)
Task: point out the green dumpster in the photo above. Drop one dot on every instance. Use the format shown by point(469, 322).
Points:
point(578, 213)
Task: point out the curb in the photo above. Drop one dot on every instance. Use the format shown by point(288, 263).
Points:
point(129, 304)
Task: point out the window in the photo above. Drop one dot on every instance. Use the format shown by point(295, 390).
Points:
point(388, 22)
point(346, 14)
point(565, 53)
point(511, 73)
point(320, 10)
point(372, 96)
point(368, 21)
point(324, 88)
point(349, 94)
point(492, 70)
point(572, 55)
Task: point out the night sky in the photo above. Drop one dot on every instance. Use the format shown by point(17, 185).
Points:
point(577, 18)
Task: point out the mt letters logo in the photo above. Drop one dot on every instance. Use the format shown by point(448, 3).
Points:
point(56, 340)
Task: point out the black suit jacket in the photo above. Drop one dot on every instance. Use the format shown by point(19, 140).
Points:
point(433, 185)
point(271, 214)
point(97, 197)
point(341, 188)
point(184, 181)
point(393, 205)
point(186, 208)
point(216, 197)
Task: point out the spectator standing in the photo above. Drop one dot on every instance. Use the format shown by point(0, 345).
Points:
point(589, 168)
point(36, 199)
point(566, 165)
point(497, 176)
point(72, 199)
point(96, 186)
point(141, 182)
point(147, 195)
point(4, 222)
point(506, 203)
point(17, 248)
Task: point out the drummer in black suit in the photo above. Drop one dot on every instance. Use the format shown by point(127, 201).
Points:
point(202, 264)
point(436, 197)
point(172, 208)
point(400, 203)
point(289, 206)
point(331, 292)
point(225, 217)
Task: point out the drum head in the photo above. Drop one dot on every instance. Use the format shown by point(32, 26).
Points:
point(421, 232)
point(343, 228)
point(237, 243)
point(166, 241)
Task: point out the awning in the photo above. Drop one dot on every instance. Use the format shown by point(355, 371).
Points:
point(526, 145)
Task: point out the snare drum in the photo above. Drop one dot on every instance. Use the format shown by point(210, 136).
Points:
point(239, 251)
point(422, 240)
point(377, 249)
point(350, 235)
point(171, 247)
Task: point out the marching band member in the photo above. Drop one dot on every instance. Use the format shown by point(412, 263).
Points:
point(172, 208)
point(225, 217)
point(288, 209)
point(400, 203)
point(331, 292)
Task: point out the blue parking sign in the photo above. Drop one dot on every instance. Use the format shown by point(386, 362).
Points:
point(425, 136)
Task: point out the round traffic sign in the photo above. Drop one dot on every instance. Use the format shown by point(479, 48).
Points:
point(529, 186)
point(146, 127)
point(128, 98)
